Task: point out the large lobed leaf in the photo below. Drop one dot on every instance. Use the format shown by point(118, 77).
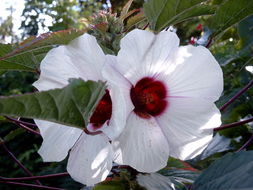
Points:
point(234, 171)
point(29, 54)
point(71, 105)
point(162, 13)
point(230, 12)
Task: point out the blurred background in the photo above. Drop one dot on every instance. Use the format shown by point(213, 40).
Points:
point(20, 19)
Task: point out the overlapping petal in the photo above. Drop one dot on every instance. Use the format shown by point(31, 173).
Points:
point(82, 58)
point(188, 125)
point(193, 72)
point(142, 145)
point(119, 91)
point(90, 160)
point(57, 140)
point(143, 53)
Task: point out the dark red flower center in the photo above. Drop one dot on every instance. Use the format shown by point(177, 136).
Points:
point(103, 111)
point(148, 97)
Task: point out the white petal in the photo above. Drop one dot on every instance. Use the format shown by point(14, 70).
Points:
point(119, 89)
point(82, 58)
point(144, 54)
point(90, 160)
point(87, 55)
point(56, 68)
point(188, 125)
point(119, 114)
point(113, 76)
point(142, 145)
point(194, 72)
point(57, 140)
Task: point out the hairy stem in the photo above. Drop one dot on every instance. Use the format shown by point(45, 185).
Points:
point(22, 125)
point(22, 122)
point(243, 90)
point(230, 125)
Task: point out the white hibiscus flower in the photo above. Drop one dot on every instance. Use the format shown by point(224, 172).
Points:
point(90, 157)
point(172, 91)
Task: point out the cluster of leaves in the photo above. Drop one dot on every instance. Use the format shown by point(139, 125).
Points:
point(227, 31)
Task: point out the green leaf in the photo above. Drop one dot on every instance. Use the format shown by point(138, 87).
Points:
point(111, 185)
point(13, 134)
point(2, 118)
point(162, 13)
point(218, 144)
point(155, 181)
point(29, 54)
point(4, 49)
point(134, 20)
point(2, 72)
point(72, 105)
point(181, 175)
point(245, 31)
point(230, 13)
point(227, 52)
point(125, 10)
point(175, 163)
point(233, 171)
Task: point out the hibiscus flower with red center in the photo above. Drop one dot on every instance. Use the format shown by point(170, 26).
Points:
point(171, 90)
point(90, 156)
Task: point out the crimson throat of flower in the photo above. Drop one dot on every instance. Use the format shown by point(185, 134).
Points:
point(103, 111)
point(148, 97)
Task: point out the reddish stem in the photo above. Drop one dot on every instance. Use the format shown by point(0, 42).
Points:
point(31, 185)
point(247, 87)
point(17, 161)
point(20, 124)
point(210, 40)
point(145, 27)
point(91, 133)
point(249, 142)
point(29, 129)
point(230, 125)
point(34, 177)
